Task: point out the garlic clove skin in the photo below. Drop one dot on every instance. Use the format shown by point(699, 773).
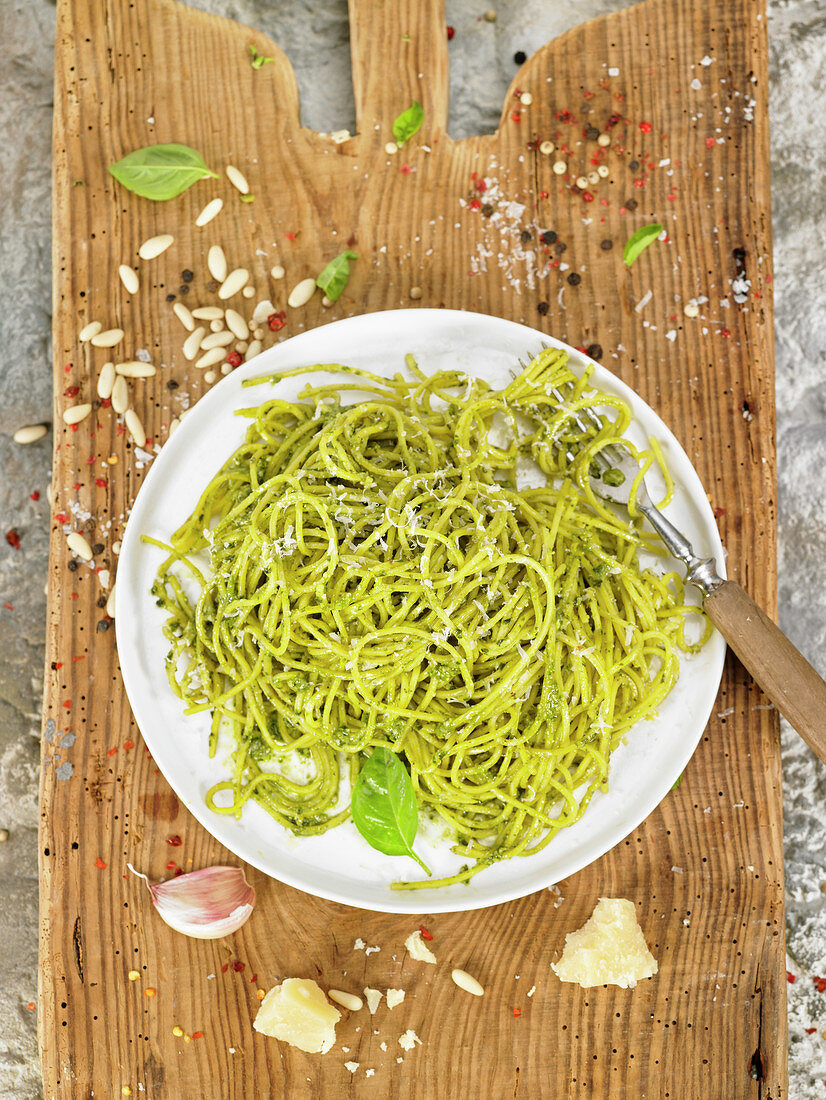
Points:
point(206, 904)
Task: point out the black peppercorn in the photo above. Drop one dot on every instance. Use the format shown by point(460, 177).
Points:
point(574, 279)
point(101, 601)
point(103, 625)
point(187, 275)
point(72, 566)
point(525, 236)
point(520, 57)
point(171, 297)
point(487, 209)
point(634, 165)
point(212, 286)
point(172, 384)
point(595, 351)
point(98, 548)
point(549, 237)
point(542, 308)
point(183, 288)
point(631, 204)
point(592, 133)
point(606, 245)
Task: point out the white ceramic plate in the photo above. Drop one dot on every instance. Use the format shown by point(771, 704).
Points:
point(340, 865)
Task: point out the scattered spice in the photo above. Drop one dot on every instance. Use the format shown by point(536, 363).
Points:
point(13, 538)
point(542, 308)
point(425, 934)
point(595, 351)
point(606, 245)
point(574, 279)
point(100, 864)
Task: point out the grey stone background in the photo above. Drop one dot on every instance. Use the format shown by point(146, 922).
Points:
point(315, 33)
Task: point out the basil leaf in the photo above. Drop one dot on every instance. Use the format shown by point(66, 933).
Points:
point(333, 279)
point(639, 241)
point(258, 59)
point(383, 805)
point(160, 172)
point(408, 122)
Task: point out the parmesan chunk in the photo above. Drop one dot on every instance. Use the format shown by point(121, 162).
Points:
point(373, 997)
point(609, 949)
point(417, 949)
point(298, 1013)
point(394, 997)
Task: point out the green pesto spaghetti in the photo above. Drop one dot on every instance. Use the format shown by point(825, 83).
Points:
point(378, 577)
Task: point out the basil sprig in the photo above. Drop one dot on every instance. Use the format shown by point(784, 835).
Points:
point(383, 805)
point(333, 279)
point(639, 241)
point(259, 60)
point(408, 122)
point(161, 172)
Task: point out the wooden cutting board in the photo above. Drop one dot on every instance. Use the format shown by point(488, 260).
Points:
point(460, 220)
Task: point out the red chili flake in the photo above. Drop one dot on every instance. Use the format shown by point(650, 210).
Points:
point(57, 665)
point(277, 321)
point(77, 485)
point(225, 968)
point(128, 745)
point(473, 175)
point(74, 427)
point(790, 978)
point(35, 495)
point(481, 185)
point(100, 864)
point(710, 143)
point(68, 367)
point(82, 657)
point(517, 1012)
point(112, 752)
point(646, 127)
point(405, 169)
point(8, 606)
point(425, 934)
point(100, 482)
point(451, 31)
point(639, 183)
point(61, 517)
point(719, 512)
point(67, 704)
point(587, 196)
point(820, 984)
point(175, 841)
point(290, 236)
point(253, 979)
point(74, 596)
point(810, 1030)
point(71, 391)
point(238, 966)
point(475, 204)
point(30, 1006)
point(13, 538)
point(579, 347)
point(543, 194)
point(172, 866)
point(725, 332)
point(197, 1034)
point(235, 359)
point(106, 402)
point(178, 871)
point(516, 116)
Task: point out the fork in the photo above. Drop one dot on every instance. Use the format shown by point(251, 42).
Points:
point(783, 673)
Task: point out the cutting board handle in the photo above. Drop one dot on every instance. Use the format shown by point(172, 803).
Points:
point(399, 54)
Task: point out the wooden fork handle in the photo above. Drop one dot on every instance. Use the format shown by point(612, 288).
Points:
point(782, 671)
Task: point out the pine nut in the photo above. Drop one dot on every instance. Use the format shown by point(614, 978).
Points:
point(217, 263)
point(278, 272)
point(75, 413)
point(526, 99)
point(546, 148)
point(327, 302)
point(346, 1000)
point(217, 340)
point(215, 355)
point(30, 433)
point(90, 330)
point(193, 342)
point(415, 293)
point(208, 313)
point(120, 395)
point(581, 182)
point(79, 545)
point(155, 246)
point(106, 380)
point(216, 326)
point(234, 282)
point(210, 377)
point(110, 603)
point(226, 368)
point(129, 278)
point(237, 179)
point(135, 369)
point(391, 148)
point(241, 347)
point(593, 177)
point(236, 324)
point(210, 211)
point(258, 334)
point(255, 348)
point(135, 428)
point(248, 291)
point(108, 339)
point(184, 316)
point(560, 167)
point(603, 171)
point(174, 425)
point(604, 140)
point(301, 293)
point(466, 982)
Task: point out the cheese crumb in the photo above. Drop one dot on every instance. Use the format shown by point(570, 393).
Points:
point(369, 1072)
point(352, 1066)
point(297, 1012)
point(373, 997)
point(359, 945)
point(417, 949)
point(409, 1039)
point(609, 949)
point(394, 997)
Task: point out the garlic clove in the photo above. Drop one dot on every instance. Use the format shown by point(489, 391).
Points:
point(206, 904)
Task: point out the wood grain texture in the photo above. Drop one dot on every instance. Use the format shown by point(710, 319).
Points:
point(705, 869)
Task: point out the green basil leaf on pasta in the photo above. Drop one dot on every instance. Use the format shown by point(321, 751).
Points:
point(639, 241)
point(383, 805)
point(408, 123)
point(160, 172)
point(333, 279)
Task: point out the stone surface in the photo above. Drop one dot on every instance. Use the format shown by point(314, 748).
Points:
point(312, 31)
